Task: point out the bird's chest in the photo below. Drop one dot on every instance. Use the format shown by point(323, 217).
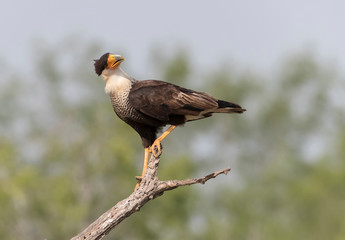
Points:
point(118, 89)
point(124, 110)
point(120, 103)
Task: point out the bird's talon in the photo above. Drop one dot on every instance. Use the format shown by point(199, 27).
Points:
point(139, 178)
point(156, 149)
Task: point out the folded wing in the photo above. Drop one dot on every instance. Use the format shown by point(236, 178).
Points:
point(159, 100)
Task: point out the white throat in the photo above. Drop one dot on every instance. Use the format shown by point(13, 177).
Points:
point(116, 81)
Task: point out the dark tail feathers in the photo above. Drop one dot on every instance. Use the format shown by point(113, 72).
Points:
point(228, 107)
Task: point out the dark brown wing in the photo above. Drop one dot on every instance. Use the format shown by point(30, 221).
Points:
point(160, 99)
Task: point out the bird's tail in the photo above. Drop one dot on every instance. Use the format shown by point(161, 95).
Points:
point(228, 107)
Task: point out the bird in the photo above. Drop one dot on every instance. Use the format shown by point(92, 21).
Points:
point(149, 105)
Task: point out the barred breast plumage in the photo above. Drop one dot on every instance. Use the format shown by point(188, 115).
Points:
point(121, 105)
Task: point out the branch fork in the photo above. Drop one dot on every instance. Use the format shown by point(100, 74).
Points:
point(149, 188)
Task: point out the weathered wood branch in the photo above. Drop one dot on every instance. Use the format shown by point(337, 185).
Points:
point(149, 188)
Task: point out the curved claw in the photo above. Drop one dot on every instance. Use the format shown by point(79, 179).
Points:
point(139, 178)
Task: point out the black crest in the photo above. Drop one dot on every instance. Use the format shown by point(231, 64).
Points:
point(101, 64)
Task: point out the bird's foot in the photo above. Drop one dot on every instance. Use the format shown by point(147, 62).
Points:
point(156, 148)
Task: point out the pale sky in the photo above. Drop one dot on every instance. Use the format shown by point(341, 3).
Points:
point(256, 34)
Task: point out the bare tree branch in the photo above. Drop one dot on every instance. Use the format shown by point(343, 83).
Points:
point(149, 188)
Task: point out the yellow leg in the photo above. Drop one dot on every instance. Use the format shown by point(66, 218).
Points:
point(156, 147)
point(146, 160)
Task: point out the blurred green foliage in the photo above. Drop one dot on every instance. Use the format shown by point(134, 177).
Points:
point(65, 157)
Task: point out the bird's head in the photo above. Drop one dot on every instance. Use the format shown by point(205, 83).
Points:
point(107, 61)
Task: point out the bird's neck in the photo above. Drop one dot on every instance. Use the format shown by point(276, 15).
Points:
point(116, 81)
